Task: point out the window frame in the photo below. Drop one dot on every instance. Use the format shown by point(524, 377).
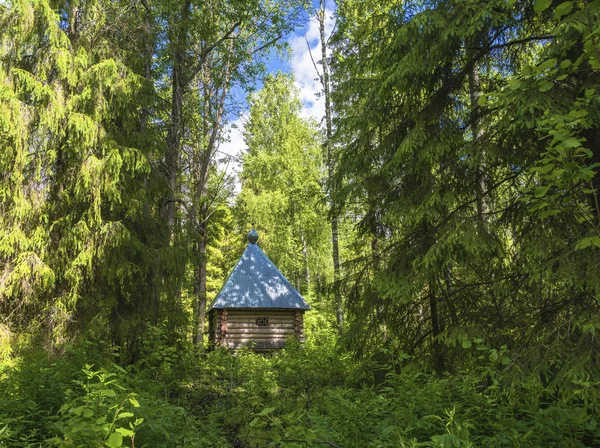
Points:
point(262, 321)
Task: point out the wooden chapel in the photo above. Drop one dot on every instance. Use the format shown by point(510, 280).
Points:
point(257, 306)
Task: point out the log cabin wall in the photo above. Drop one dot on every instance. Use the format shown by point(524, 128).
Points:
point(266, 329)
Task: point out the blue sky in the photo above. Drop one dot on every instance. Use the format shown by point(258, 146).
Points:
point(304, 73)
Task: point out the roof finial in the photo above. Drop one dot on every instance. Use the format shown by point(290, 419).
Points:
point(252, 236)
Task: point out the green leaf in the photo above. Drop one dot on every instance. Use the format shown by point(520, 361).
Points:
point(541, 191)
point(547, 64)
point(570, 142)
point(579, 113)
point(254, 422)
point(266, 411)
point(543, 169)
point(115, 440)
point(549, 212)
point(78, 427)
point(541, 5)
point(108, 392)
point(134, 402)
point(589, 241)
point(77, 411)
point(466, 343)
point(125, 432)
point(125, 415)
point(544, 86)
point(566, 63)
point(494, 356)
point(563, 9)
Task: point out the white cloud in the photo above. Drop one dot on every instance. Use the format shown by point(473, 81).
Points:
point(306, 78)
point(230, 149)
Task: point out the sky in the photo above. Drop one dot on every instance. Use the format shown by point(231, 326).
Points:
point(306, 80)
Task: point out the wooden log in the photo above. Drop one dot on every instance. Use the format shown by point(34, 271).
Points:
point(258, 314)
point(261, 330)
point(223, 326)
point(232, 325)
point(256, 341)
point(259, 311)
point(216, 325)
point(257, 337)
point(249, 331)
point(247, 319)
point(297, 324)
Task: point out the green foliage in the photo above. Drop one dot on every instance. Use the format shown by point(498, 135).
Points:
point(74, 181)
point(311, 394)
point(103, 416)
point(69, 402)
point(494, 405)
point(468, 149)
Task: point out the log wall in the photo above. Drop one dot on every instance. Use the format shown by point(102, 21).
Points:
point(234, 328)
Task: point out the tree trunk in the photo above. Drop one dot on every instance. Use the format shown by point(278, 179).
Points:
point(306, 267)
point(200, 286)
point(175, 131)
point(375, 253)
point(73, 22)
point(479, 158)
point(153, 278)
point(376, 261)
point(436, 349)
point(339, 312)
point(201, 169)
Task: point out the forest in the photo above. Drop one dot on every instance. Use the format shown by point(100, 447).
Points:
point(441, 218)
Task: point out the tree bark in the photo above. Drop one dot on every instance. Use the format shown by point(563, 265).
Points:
point(210, 129)
point(175, 131)
point(479, 158)
point(436, 349)
point(73, 22)
point(306, 267)
point(201, 292)
point(149, 49)
point(339, 312)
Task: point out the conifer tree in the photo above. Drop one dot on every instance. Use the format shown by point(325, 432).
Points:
point(72, 252)
point(444, 111)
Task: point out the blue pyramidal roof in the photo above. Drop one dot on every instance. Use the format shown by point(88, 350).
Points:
point(255, 282)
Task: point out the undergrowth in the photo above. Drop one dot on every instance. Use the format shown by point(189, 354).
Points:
point(311, 395)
